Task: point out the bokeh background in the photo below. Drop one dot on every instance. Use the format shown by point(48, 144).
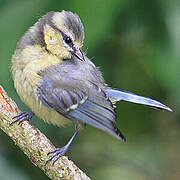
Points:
point(136, 45)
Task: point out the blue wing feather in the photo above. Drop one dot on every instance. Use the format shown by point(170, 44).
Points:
point(76, 89)
point(97, 116)
point(117, 95)
point(97, 110)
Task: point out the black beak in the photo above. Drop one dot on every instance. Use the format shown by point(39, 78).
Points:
point(79, 54)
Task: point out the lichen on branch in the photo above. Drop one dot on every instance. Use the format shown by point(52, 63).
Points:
point(35, 144)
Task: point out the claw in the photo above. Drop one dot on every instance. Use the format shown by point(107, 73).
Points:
point(53, 151)
point(58, 152)
point(57, 157)
point(23, 116)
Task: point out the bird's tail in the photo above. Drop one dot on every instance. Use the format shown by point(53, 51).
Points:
point(117, 95)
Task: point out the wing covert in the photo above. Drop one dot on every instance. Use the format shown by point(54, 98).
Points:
point(90, 107)
point(59, 99)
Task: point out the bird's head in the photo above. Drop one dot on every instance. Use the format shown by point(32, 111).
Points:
point(63, 34)
point(60, 33)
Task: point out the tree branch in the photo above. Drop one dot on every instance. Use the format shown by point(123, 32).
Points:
point(35, 144)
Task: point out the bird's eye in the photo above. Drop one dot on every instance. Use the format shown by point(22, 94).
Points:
point(68, 40)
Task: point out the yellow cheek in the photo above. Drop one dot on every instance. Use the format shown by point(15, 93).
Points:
point(54, 43)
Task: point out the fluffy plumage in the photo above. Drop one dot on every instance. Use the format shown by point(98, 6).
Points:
point(59, 83)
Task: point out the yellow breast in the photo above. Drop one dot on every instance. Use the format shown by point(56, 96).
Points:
point(25, 67)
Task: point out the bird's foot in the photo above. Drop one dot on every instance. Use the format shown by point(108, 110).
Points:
point(57, 153)
point(23, 116)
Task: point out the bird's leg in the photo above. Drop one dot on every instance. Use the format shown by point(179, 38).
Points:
point(23, 116)
point(58, 152)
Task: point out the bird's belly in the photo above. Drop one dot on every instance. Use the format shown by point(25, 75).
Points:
point(27, 93)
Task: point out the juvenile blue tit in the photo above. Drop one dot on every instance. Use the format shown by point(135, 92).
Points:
point(60, 84)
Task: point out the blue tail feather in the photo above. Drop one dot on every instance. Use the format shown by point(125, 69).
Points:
point(117, 95)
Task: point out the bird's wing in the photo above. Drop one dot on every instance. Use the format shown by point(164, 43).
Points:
point(59, 99)
point(117, 95)
point(90, 107)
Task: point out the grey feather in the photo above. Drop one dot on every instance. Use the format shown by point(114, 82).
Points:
point(75, 89)
point(73, 22)
point(35, 34)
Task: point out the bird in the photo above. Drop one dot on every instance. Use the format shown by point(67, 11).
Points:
point(60, 84)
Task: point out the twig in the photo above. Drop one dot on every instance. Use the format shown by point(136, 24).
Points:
point(35, 144)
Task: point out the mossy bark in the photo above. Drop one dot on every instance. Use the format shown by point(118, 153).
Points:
point(35, 144)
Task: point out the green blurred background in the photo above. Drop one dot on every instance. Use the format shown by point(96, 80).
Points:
point(136, 45)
